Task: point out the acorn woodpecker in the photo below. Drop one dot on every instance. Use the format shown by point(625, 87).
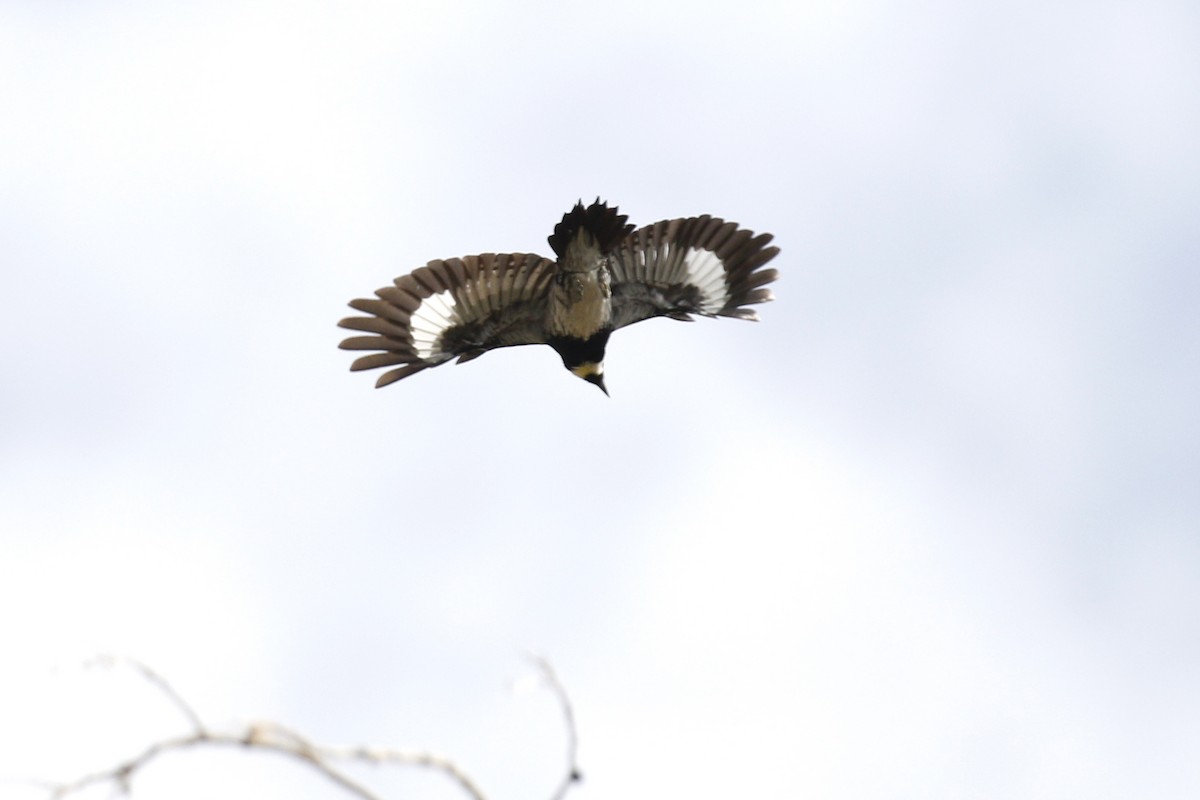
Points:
point(606, 276)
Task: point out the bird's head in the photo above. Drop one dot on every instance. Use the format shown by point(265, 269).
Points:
point(584, 357)
point(590, 371)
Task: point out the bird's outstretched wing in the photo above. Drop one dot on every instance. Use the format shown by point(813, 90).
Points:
point(458, 307)
point(698, 265)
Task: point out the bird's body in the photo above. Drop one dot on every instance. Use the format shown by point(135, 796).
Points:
point(606, 276)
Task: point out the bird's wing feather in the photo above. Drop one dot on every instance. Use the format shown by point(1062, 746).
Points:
point(459, 307)
point(697, 265)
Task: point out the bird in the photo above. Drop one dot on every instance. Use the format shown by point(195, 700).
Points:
point(606, 275)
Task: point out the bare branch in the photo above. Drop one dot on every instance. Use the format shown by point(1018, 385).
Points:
point(273, 737)
point(284, 739)
point(573, 774)
point(122, 774)
point(153, 678)
point(376, 755)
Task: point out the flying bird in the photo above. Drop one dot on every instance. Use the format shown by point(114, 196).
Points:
point(606, 276)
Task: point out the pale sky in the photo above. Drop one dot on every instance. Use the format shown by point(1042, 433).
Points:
point(929, 529)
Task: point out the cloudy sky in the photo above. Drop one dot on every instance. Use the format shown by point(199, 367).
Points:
point(930, 529)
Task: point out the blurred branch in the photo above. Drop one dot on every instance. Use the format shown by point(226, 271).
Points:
point(573, 775)
point(276, 738)
point(155, 680)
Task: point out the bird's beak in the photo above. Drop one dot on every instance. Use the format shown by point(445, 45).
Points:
point(592, 372)
point(598, 379)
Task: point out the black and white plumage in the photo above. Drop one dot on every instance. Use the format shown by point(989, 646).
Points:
point(606, 276)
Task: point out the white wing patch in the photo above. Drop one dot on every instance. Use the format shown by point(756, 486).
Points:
point(435, 314)
point(707, 273)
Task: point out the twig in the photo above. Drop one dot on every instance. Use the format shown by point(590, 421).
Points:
point(109, 661)
point(277, 738)
point(573, 774)
point(122, 774)
point(267, 736)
